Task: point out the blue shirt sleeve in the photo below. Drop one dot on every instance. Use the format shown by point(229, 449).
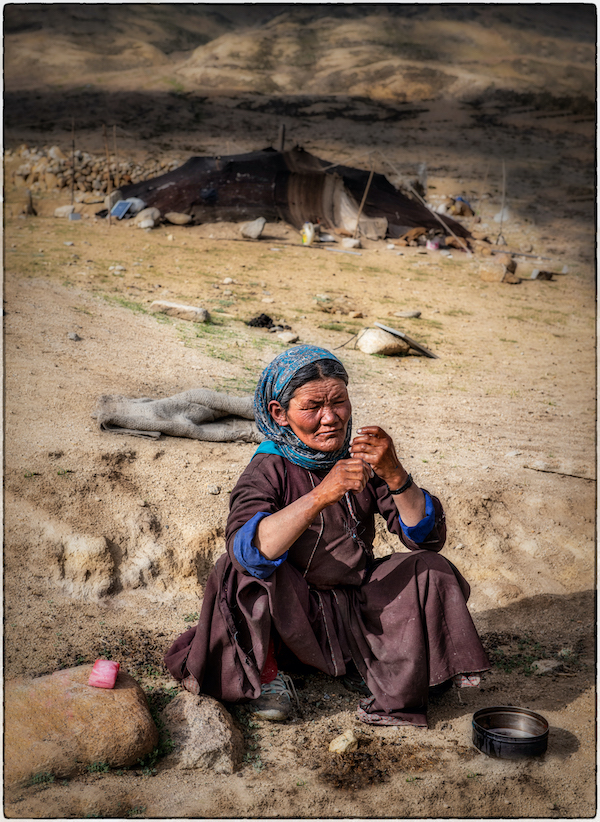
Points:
point(248, 555)
point(422, 529)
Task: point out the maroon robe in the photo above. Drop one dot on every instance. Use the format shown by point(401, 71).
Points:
point(402, 620)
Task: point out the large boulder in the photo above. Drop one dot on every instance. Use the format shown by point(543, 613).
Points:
point(203, 733)
point(58, 724)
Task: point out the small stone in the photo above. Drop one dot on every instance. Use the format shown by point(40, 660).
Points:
point(227, 281)
point(357, 315)
point(146, 223)
point(72, 335)
point(513, 454)
point(183, 312)
point(170, 237)
point(407, 314)
point(227, 292)
point(267, 300)
point(214, 489)
point(288, 337)
point(178, 218)
point(344, 743)
point(70, 242)
point(351, 242)
point(254, 229)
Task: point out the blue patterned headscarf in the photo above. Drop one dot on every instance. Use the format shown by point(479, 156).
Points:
point(281, 439)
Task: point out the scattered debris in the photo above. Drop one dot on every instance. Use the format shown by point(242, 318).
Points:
point(545, 666)
point(182, 312)
point(261, 321)
point(72, 335)
point(214, 489)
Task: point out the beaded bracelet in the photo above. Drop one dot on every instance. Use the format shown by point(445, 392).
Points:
point(404, 487)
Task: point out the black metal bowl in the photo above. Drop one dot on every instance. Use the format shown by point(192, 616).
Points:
point(510, 733)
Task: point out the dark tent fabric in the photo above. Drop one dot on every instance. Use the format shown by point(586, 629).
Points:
point(293, 186)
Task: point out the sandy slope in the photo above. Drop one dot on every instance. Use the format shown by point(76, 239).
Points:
point(512, 392)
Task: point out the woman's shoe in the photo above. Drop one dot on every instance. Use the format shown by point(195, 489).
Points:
point(275, 702)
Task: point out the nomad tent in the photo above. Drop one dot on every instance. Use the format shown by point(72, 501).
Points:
point(293, 186)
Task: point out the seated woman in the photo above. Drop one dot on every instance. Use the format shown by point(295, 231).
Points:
point(299, 579)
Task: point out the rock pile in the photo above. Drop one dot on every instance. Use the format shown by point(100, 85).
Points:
point(49, 167)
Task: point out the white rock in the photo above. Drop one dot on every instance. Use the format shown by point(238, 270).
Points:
point(146, 223)
point(227, 281)
point(177, 218)
point(351, 242)
point(147, 214)
point(64, 211)
point(377, 341)
point(253, 230)
point(136, 205)
point(503, 216)
point(182, 312)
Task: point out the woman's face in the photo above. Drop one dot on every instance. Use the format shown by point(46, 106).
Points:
point(318, 413)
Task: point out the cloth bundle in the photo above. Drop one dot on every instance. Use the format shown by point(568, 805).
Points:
point(199, 414)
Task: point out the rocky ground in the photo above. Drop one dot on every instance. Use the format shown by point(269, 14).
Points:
point(501, 427)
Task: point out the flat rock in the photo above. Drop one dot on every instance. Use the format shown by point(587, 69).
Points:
point(177, 218)
point(148, 222)
point(253, 230)
point(58, 724)
point(377, 341)
point(182, 312)
point(409, 314)
point(64, 211)
point(203, 733)
point(288, 337)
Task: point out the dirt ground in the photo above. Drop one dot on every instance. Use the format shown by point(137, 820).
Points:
point(501, 427)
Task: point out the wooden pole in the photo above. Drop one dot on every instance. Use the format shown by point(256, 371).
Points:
point(73, 163)
point(368, 186)
point(108, 182)
point(116, 159)
point(502, 206)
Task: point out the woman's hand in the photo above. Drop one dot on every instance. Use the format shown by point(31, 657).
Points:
point(377, 449)
point(277, 533)
point(373, 445)
point(346, 475)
